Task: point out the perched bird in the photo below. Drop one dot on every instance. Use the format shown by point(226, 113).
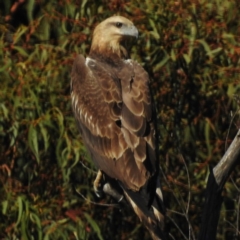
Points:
point(113, 107)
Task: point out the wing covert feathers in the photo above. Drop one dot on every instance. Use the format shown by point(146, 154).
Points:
point(113, 109)
point(151, 216)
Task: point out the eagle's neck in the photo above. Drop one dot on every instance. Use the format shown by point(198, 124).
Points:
point(112, 49)
point(111, 59)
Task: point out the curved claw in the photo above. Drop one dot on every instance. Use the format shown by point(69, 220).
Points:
point(100, 185)
point(98, 192)
point(97, 185)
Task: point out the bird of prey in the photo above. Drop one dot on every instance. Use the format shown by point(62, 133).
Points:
point(113, 107)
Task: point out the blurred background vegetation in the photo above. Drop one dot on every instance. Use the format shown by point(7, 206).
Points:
point(191, 50)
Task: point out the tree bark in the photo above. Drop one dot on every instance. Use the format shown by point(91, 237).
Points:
point(213, 200)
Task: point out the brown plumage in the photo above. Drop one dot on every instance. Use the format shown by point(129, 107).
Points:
point(113, 107)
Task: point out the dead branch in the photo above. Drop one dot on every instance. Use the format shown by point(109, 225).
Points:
point(213, 200)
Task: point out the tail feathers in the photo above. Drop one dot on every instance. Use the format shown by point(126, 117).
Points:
point(151, 216)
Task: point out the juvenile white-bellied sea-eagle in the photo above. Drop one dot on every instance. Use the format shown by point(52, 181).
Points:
point(113, 107)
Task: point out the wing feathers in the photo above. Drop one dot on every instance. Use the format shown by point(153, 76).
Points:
point(132, 122)
point(131, 139)
point(79, 67)
point(112, 107)
point(140, 151)
point(152, 218)
point(137, 109)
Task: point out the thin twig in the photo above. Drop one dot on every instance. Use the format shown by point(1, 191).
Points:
point(179, 229)
point(232, 226)
point(181, 204)
point(170, 235)
point(95, 203)
point(231, 122)
point(178, 213)
point(191, 233)
point(174, 194)
point(234, 184)
point(237, 229)
point(91, 170)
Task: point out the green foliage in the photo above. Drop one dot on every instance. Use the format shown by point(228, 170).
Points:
point(190, 49)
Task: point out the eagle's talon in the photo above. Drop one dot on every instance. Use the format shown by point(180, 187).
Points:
point(98, 192)
point(97, 184)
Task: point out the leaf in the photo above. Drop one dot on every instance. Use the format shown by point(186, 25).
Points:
point(161, 63)
point(206, 46)
point(21, 51)
point(207, 136)
point(30, 9)
point(4, 207)
point(4, 111)
point(44, 55)
point(6, 65)
point(93, 225)
point(83, 5)
point(230, 38)
point(33, 141)
point(21, 30)
point(35, 100)
point(58, 114)
point(34, 218)
point(186, 58)
point(14, 132)
point(24, 226)
point(20, 210)
point(45, 136)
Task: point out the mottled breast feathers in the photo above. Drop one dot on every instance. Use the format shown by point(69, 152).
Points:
point(112, 105)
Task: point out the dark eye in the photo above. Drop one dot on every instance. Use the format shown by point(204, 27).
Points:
point(118, 24)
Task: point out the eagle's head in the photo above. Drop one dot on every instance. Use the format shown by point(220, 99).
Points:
point(114, 35)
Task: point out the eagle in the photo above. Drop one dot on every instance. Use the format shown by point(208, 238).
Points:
point(114, 110)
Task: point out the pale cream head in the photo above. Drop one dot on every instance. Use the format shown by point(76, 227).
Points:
point(113, 35)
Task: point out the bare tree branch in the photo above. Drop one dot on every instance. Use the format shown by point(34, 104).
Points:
point(217, 178)
point(228, 161)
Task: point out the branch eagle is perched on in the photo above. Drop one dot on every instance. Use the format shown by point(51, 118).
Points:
point(113, 107)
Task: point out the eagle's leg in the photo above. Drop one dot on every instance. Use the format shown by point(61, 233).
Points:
point(107, 185)
point(113, 192)
point(97, 184)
